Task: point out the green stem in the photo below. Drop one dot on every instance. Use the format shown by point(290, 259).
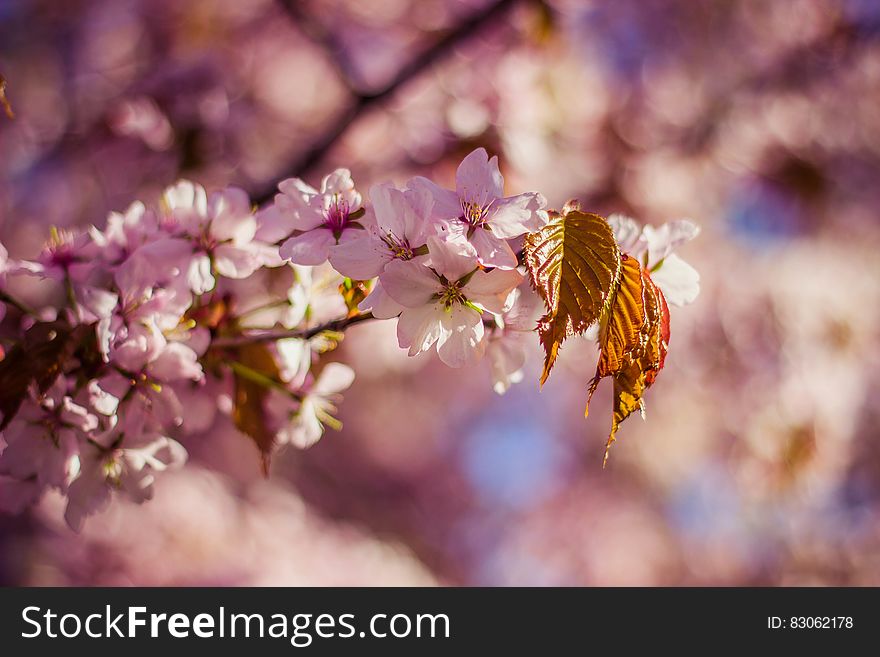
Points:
point(5, 297)
point(68, 289)
point(259, 378)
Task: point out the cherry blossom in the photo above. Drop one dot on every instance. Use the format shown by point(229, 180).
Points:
point(506, 349)
point(180, 301)
point(479, 204)
point(149, 400)
point(64, 257)
point(397, 227)
point(50, 454)
point(125, 233)
point(444, 303)
point(302, 423)
point(319, 219)
point(116, 461)
point(221, 229)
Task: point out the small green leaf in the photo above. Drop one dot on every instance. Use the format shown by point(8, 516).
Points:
point(255, 373)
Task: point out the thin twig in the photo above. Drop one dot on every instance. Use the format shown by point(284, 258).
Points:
point(5, 297)
point(468, 27)
point(337, 325)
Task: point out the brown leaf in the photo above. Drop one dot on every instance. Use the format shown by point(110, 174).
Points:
point(38, 359)
point(637, 370)
point(3, 101)
point(256, 373)
point(621, 334)
point(573, 264)
point(663, 344)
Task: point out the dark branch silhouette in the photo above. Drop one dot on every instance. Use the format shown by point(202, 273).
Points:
point(303, 163)
point(336, 325)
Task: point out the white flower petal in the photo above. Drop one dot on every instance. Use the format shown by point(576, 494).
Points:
point(679, 282)
point(461, 341)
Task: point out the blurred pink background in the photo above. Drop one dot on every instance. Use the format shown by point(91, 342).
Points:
point(759, 463)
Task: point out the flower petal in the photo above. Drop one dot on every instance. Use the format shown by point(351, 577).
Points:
point(679, 282)
point(667, 238)
point(188, 204)
point(380, 304)
point(516, 215)
point(338, 186)
point(361, 256)
point(409, 282)
point(493, 251)
point(628, 234)
point(419, 328)
point(231, 216)
point(334, 378)
point(198, 275)
point(445, 203)
point(273, 225)
point(461, 342)
point(478, 179)
point(176, 362)
point(300, 204)
point(451, 258)
point(492, 290)
point(507, 356)
point(235, 261)
point(310, 248)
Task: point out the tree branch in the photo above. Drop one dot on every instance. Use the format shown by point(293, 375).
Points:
point(468, 27)
point(327, 40)
point(337, 325)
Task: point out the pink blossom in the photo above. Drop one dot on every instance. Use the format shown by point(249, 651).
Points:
point(221, 230)
point(396, 227)
point(506, 349)
point(144, 391)
point(124, 234)
point(123, 462)
point(479, 204)
point(304, 426)
point(64, 257)
point(379, 303)
point(48, 454)
point(137, 327)
point(140, 117)
point(317, 294)
point(444, 303)
point(294, 357)
point(319, 219)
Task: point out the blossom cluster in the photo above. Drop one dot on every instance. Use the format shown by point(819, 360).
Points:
point(192, 300)
point(159, 287)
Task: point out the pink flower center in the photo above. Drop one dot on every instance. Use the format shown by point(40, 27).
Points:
point(60, 249)
point(336, 215)
point(452, 294)
point(474, 214)
point(207, 242)
point(399, 247)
